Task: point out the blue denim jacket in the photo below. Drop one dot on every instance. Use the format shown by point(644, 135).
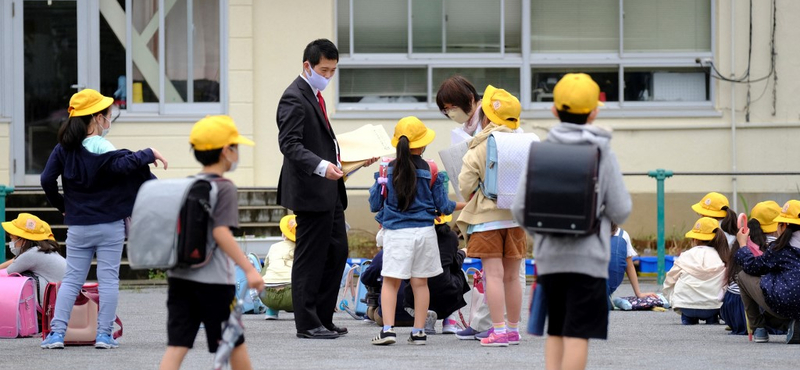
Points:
point(427, 204)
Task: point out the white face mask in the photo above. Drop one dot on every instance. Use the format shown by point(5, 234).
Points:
point(12, 245)
point(316, 80)
point(458, 116)
point(234, 164)
point(104, 131)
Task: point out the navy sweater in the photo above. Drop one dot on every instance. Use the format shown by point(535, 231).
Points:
point(98, 188)
point(780, 277)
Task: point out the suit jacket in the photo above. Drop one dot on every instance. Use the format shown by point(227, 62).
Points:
point(305, 139)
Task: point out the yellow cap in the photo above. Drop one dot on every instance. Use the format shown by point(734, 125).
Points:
point(765, 212)
point(790, 213)
point(289, 227)
point(443, 219)
point(88, 101)
point(501, 107)
point(704, 229)
point(412, 128)
point(28, 226)
point(577, 93)
point(711, 205)
point(214, 132)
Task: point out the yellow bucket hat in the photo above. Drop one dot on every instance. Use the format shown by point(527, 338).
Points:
point(289, 227)
point(576, 93)
point(703, 229)
point(501, 107)
point(88, 101)
point(790, 213)
point(765, 212)
point(28, 226)
point(411, 127)
point(711, 205)
point(214, 132)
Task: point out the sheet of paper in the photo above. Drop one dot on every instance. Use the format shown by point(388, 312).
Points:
point(453, 158)
point(363, 143)
point(458, 135)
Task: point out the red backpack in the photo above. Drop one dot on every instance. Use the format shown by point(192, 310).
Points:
point(383, 174)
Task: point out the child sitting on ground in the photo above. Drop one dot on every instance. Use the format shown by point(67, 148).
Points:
point(277, 294)
point(621, 263)
point(694, 283)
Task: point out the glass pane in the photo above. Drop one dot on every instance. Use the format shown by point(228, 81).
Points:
point(666, 84)
point(383, 85)
point(176, 49)
point(504, 78)
point(112, 54)
point(473, 26)
point(544, 80)
point(675, 25)
point(206, 51)
point(343, 26)
point(574, 26)
point(427, 25)
point(50, 45)
point(144, 51)
point(513, 13)
point(380, 26)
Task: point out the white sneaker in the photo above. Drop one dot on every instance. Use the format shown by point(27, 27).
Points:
point(430, 323)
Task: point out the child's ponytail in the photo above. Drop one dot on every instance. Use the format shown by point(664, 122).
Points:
point(73, 131)
point(720, 244)
point(729, 223)
point(405, 175)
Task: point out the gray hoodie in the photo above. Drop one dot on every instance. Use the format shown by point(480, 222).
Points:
point(587, 254)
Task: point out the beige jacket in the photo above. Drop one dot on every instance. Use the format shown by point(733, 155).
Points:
point(479, 209)
point(696, 279)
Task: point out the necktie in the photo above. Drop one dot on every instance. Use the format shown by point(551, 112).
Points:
point(322, 106)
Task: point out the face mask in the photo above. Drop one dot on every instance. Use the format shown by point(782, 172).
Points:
point(316, 80)
point(234, 164)
point(105, 131)
point(458, 115)
point(12, 245)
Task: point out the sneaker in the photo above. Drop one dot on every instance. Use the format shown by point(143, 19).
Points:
point(513, 337)
point(385, 338)
point(495, 340)
point(449, 326)
point(793, 335)
point(418, 338)
point(430, 323)
point(53, 340)
point(105, 341)
point(466, 334)
point(271, 314)
point(484, 334)
point(760, 335)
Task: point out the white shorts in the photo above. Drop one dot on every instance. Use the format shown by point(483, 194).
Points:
point(411, 252)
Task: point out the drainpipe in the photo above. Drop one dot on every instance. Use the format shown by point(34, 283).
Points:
point(735, 199)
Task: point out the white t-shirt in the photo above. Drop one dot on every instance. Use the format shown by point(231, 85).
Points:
point(628, 244)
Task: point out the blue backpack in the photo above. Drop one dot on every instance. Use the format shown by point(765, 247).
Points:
point(518, 149)
point(252, 302)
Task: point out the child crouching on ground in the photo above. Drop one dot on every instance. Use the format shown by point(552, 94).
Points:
point(277, 294)
point(204, 294)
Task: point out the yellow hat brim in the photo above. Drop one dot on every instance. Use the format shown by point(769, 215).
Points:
point(693, 235)
point(284, 225)
point(24, 234)
point(243, 140)
point(698, 207)
point(769, 228)
point(100, 106)
point(788, 220)
point(419, 143)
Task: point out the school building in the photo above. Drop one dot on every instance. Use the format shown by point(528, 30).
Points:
point(694, 86)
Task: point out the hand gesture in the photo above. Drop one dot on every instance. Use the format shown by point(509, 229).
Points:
point(333, 172)
point(159, 157)
point(742, 236)
point(254, 280)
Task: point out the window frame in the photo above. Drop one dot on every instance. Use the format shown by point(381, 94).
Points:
point(528, 61)
point(6, 61)
point(185, 111)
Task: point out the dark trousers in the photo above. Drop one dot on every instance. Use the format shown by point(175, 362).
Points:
point(759, 315)
point(319, 258)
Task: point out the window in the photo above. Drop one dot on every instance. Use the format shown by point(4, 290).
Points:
point(163, 56)
point(395, 53)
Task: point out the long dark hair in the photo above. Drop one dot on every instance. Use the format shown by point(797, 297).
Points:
point(720, 244)
point(783, 240)
point(75, 129)
point(728, 223)
point(45, 246)
point(405, 175)
point(756, 236)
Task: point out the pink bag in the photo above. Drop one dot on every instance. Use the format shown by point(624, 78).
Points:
point(17, 307)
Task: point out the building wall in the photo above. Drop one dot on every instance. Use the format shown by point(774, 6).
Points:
point(5, 159)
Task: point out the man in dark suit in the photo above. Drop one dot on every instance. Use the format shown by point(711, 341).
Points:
point(311, 185)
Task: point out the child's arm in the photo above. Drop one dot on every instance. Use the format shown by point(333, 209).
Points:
point(471, 169)
point(375, 196)
point(440, 199)
point(460, 205)
point(6, 263)
point(631, 271)
point(226, 242)
point(49, 179)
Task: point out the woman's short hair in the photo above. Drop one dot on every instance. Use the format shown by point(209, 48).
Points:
point(457, 91)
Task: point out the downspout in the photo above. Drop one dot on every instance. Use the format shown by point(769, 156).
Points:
point(734, 201)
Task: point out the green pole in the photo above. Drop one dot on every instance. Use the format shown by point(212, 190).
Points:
point(660, 175)
point(4, 190)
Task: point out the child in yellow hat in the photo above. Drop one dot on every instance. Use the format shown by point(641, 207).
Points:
point(770, 284)
point(277, 294)
point(763, 231)
point(694, 283)
point(34, 249)
point(716, 206)
point(407, 215)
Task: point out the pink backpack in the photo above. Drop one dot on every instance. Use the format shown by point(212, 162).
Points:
point(17, 307)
